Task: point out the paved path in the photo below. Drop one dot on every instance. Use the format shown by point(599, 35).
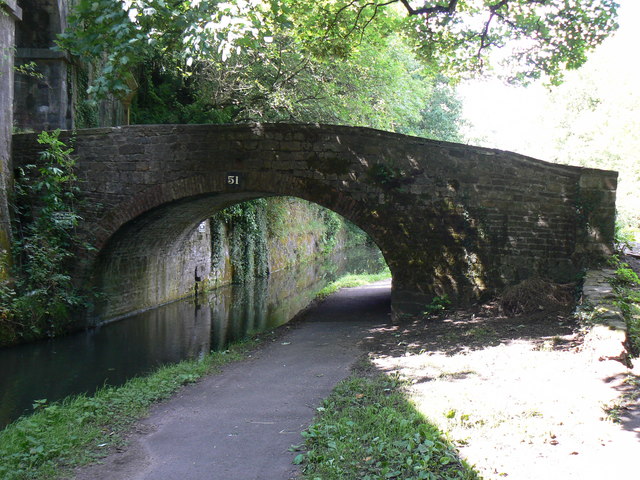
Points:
point(239, 424)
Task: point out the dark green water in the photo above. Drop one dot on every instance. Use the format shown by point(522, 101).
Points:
point(113, 353)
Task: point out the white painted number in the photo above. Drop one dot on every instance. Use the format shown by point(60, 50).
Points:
point(233, 180)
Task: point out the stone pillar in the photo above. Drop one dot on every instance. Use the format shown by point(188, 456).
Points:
point(596, 208)
point(10, 13)
point(42, 101)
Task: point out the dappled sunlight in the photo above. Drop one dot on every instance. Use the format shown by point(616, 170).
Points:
point(519, 396)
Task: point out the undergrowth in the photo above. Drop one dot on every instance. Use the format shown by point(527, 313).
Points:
point(627, 287)
point(367, 430)
point(536, 294)
point(40, 298)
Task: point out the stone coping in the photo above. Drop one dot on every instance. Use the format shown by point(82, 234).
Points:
point(12, 8)
point(608, 335)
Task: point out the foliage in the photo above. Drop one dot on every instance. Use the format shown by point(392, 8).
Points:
point(626, 276)
point(43, 296)
point(593, 119)
point(81, 429)
point(333, 224)
point(437, 305)
point(352, 280)
point(441, 117)
point(544, 37)
point(381, 86)
point(367, 429)
point(624, 237)
point(86, 111)
point(356, 236)
point(629, 303)
point(28, 69)
point(626, 285)
point(250, 226)
point(165, 97)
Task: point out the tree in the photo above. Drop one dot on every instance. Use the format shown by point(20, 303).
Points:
point(533, 38)
point(595, 117)
point(539, 37)
point(383, 85)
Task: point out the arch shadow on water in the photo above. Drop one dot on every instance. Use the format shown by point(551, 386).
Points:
point(189, 328)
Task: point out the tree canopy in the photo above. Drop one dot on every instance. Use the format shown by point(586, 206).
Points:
point(531, 38)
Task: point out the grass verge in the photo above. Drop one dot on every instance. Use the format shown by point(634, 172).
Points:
point(367, 430)
point(352, 281)
point(627, 287)
point(629, 302)
point(81, 429)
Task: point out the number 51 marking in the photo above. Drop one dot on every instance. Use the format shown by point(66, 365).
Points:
point(233, 179)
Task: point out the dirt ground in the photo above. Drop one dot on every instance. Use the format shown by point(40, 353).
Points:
point(527, 397)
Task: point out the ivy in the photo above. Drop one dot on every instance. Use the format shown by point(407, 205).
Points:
point(247, 227)
point(42, 297)
point(333, 225)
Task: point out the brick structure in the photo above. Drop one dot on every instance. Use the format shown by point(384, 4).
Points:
point(449, 219)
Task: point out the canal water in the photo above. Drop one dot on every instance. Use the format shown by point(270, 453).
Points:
point(189, 328)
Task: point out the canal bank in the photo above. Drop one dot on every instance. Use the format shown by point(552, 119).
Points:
point(48, 371)
point(83, 429)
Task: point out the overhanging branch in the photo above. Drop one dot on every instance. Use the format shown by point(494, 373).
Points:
point(449, 8)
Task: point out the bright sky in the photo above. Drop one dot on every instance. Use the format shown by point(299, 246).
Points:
point(513, 119)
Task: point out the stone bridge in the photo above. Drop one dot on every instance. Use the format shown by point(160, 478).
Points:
point(449, 219)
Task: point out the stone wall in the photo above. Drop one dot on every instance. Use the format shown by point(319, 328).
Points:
point(43, 102)
point(9, 14)
point(449, 219)
point(603, 320)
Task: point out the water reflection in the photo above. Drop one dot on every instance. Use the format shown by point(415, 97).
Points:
point(113, 353)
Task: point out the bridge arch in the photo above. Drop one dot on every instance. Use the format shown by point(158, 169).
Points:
point(143, 241)
point(449, 219)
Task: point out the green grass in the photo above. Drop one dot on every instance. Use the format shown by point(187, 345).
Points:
point(352, 281)
point(367, 430)
point(81, 429)
point(627, 286)
point(629, 302)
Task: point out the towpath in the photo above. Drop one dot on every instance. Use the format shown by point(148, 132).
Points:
point(239, 424)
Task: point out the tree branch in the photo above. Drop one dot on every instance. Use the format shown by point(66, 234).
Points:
point(449, 9)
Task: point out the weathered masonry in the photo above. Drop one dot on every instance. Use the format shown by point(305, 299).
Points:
point(449, 219)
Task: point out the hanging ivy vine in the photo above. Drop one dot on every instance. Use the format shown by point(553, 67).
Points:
point(247, 228)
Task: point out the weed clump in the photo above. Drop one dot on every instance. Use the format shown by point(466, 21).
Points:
point(536, 294)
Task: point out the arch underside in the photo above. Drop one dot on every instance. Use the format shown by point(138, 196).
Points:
point(155, 257)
